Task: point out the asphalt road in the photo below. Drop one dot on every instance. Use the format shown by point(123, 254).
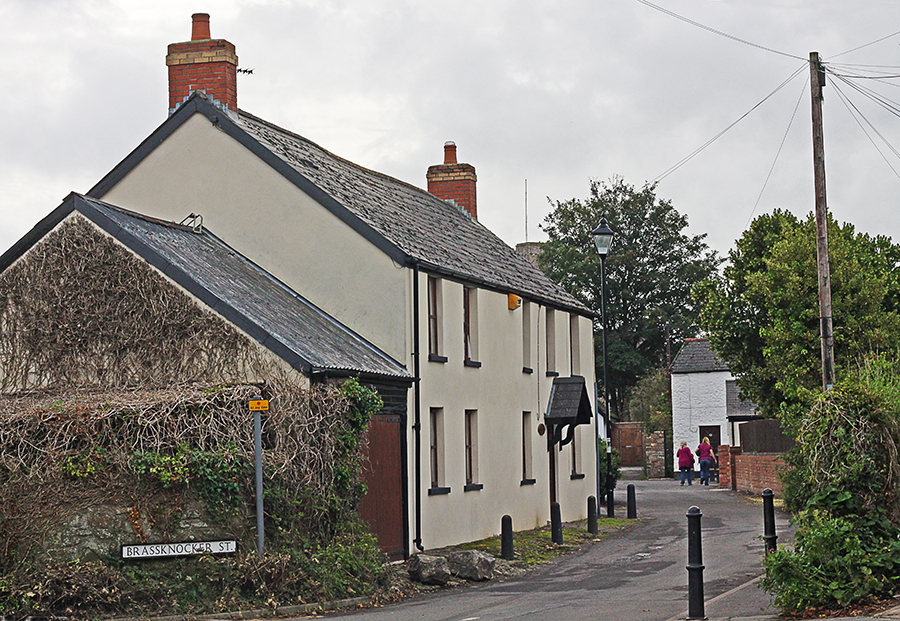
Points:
point(638, 575)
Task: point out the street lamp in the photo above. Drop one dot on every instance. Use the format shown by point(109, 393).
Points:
point(603, 236)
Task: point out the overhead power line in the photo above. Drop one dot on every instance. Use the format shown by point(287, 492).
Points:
point(715, 31)
point(685, 160)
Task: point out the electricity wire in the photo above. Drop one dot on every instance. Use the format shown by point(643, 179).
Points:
point(714, 31)
point(691, 156)
point(780, 147)
point(865, 45)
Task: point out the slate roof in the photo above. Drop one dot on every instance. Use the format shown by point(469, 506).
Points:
point(696, 356)
point(404, 221)
point(249, 297)
point(734, 405)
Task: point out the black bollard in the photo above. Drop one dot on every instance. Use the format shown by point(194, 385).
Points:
point(555, 524)
point(632, 506)
point(770, 537)
point(695, 566)
point(506, 538)
point(592, 516)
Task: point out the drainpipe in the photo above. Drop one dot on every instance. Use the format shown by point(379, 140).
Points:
point(417, 409)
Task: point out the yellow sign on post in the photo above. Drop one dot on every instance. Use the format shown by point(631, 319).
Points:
point(260, 404)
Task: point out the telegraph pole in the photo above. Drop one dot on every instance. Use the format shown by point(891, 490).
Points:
point(817, 81)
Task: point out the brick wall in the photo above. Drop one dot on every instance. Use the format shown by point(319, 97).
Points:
point(204, 64)
point(750, 472)
point(453, 181)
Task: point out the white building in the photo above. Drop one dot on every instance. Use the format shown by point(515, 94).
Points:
point(483, 333)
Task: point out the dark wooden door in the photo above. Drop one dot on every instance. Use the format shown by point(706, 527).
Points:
point(382, 506)
point(628, 439)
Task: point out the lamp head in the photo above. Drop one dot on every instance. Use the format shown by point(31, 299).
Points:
point(603, 236)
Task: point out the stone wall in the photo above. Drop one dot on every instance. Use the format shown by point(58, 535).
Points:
point(655, 454)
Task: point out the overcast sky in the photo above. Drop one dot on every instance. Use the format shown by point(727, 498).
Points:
point(556, 92)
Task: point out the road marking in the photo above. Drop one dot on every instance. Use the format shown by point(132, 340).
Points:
point(683, 615)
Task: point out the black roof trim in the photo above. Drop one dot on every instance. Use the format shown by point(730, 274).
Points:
point(198, 104)
point(436, 270)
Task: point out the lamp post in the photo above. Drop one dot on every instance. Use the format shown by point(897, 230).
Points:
point(603, 236)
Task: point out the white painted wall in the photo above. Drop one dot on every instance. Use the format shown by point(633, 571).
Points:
point(202, 170)
point(698, 399)
point(255, 210)
point(501, 392)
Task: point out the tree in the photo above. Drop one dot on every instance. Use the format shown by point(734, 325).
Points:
point(650, 270)
point(762, 314)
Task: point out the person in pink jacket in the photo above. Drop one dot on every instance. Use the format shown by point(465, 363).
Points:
point(686, 463)
point(705, 453)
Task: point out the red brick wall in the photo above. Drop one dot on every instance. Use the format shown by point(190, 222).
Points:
point(454, 182)
point(751, 472)
point(209, 65)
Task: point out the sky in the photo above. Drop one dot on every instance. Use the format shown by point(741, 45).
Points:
point(538, 95)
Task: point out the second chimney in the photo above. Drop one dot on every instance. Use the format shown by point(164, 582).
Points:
point(202, 64)
point(453, 181)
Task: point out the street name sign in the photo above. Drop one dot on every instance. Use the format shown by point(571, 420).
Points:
point(189, 548)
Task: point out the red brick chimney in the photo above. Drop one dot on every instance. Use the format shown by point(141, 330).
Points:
point(204, 64)
point(453, 181)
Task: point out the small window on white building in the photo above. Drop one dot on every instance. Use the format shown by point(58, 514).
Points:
point(471, 457)
point(470, 324)
point(435, 320)
point(574, 345)
point(551, 342)
point(577, 472)
point(527, 439)
point(526, 336)
point(436, 456)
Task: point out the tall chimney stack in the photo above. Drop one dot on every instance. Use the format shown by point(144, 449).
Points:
point(453, 181)
point(202, 64)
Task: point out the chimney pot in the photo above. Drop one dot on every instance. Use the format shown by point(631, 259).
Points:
point(200, 27)
point(449, 152)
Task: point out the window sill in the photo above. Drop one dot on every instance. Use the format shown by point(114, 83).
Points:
point(576, 476)
point(528, 482)
point(436, 358)
point(552, 373)
point(527, 370)
point(473, 487)
point(438, 491)
point(472, 363)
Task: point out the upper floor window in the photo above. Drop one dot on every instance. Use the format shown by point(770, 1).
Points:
point(526, 336)
point(435, 301)
point(551, 342)
point(470, 324)
point(575, 344)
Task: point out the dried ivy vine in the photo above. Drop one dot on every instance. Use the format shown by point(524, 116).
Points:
point(116, 388)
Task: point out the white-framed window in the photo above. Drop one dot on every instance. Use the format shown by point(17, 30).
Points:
point(435, 317)
point(470, 324)
point(575, 453)
point(436, 450)
point(526, 335)
point(527, 439)
point(471, 442)
point(551, 341)
point(574, 344)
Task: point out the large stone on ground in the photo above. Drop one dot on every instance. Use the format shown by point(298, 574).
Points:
point(471, 564)
point(429, 569)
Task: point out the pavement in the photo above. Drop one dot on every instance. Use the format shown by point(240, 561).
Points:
point(636, 575)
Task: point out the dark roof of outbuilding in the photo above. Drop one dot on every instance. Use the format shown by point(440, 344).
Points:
point(291, 327)
point(696, 356)
point(404, 221)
